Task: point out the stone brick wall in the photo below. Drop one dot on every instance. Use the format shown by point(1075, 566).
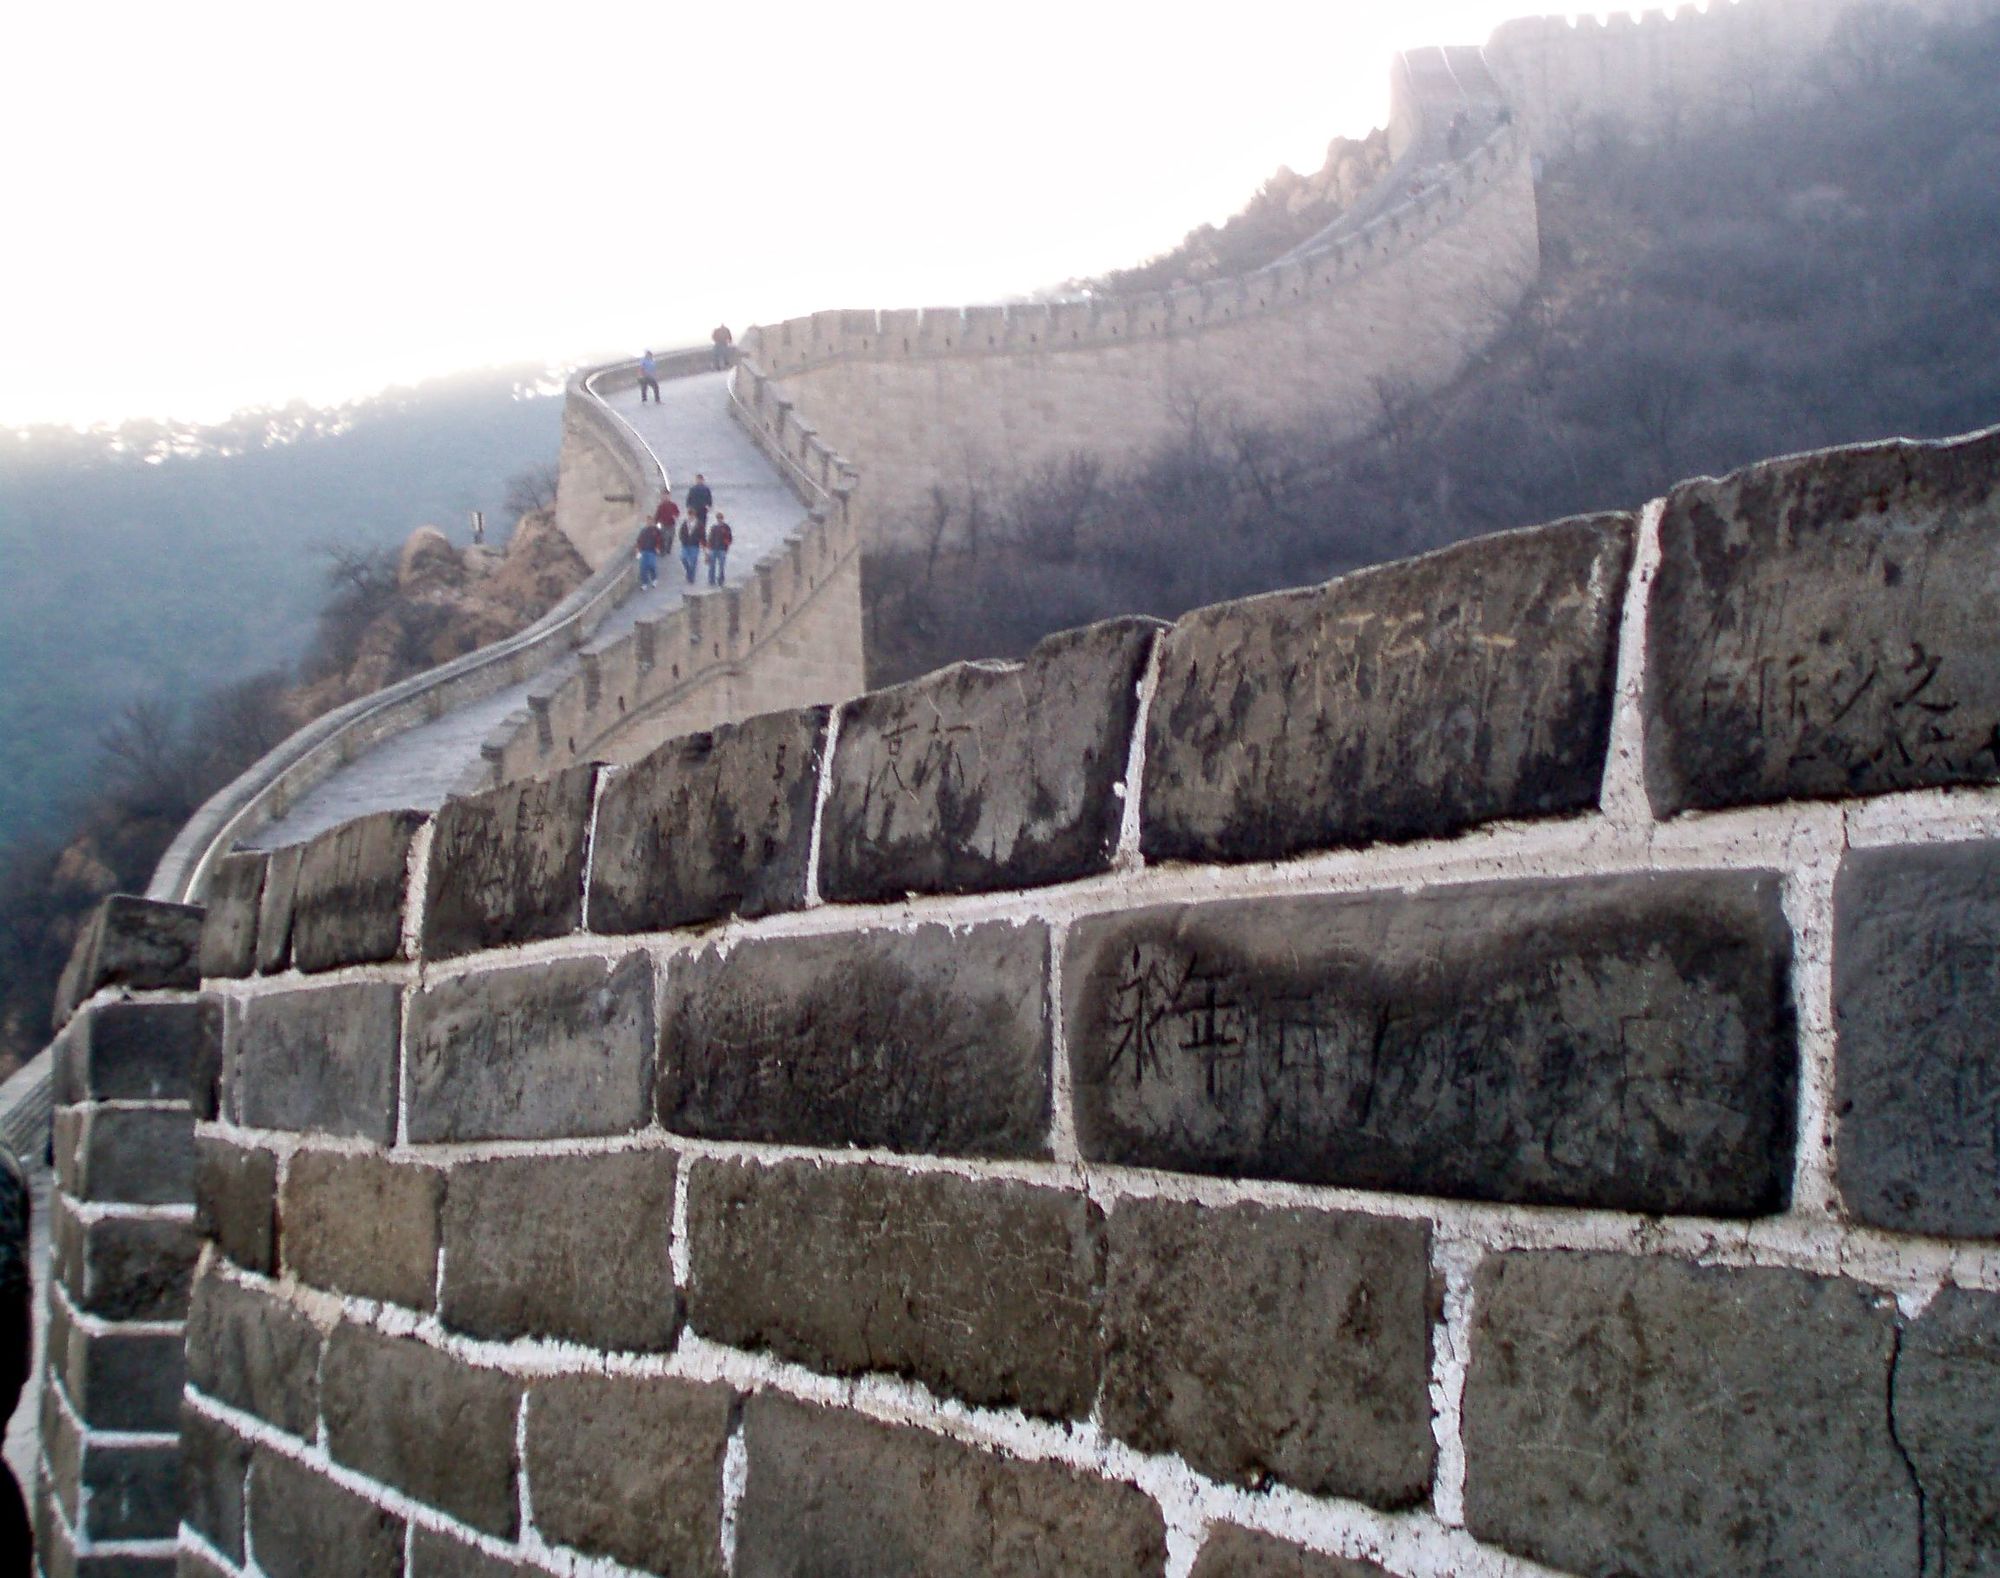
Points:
point(1478, 1068)
point(123, 1241)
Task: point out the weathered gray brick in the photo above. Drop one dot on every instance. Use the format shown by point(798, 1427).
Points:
point(1261, 1343)
point(1822, 626)
point(255, 1352)
point(1599, 1383)
point(126, 1155)
point(132, 1492)
point(631, 1469)
point(116, 1380)
point(1915, 1000)
point(983, 1289)
point(830, 1492)
point(132, 942)
point(557, 1050)
point(1412, 700)
point(274, 908)
point(928, 1040)
point(321, 1060)
point(986, 775)
point(123, 1267)
point(506, 864)
point(299, 1519)
point(135, 1051)
point(364, 1225)
point(1945, 1408)
point(348, 904)
point(215, 1462)
point(384, 1398)
point(571, 1247)
point(1232, 1552)
point(1620, 1042)
point(709, 825)
point(236, 1201)
point(234, 893)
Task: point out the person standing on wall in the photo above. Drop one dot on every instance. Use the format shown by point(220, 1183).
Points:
point(700, 500)
point(649, 378)
point(722, 340)
point(719, 539)
point(664, 517)
point(691, 541)
point(652, 543)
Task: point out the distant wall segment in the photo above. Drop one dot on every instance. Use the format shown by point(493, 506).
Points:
point(956, 397)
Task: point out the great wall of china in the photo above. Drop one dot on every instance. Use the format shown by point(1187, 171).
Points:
point(1388, 1078)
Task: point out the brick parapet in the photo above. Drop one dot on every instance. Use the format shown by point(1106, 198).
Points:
point(932, 1071)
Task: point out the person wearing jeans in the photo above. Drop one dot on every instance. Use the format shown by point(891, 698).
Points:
point(691, 545)
point(719, 539)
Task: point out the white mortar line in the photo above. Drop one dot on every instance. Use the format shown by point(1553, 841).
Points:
point(735, 1478)
point(599, 779)
point(416, 884)
point(118, 1211)
point(193, 1542)
point(1127, 856)
point(1808, 901)
point(679, 1256)
point(1454, 1259)
point(1755, 837)
point(1793, 1240)
point(124, 1104)
point(97, 1326)
point(405, 1005)
point(1623, 794)
point(1063, 1148)
point(822, 788)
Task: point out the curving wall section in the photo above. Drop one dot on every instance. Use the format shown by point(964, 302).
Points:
point(955, 398)
point(1358, 1082)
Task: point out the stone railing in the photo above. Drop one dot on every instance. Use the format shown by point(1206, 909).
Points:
point(267, 788)
point(1538, 993)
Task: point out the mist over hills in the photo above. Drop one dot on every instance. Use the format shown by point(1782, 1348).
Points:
point(155, 561)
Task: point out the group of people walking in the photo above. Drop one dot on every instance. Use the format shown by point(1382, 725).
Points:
point(698, 536)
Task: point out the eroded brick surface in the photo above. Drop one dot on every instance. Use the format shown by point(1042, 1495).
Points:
point(1599, 1381)
point(631, 1469)
point(255, 1352)
point(930, 1040)
point(986, 775)
point(1231, 1552)
point(320, 1060)
point(981, 1289)
point(299, 1519)
point(1946, 1410)
point(233, 895)
point(569, 1247)
point(1408, 701)
point(1916, 997)
point(834, 1493)
point(347, 907)
point(236, 1201)
point(557, 1050)
point(1262, 1343)
point(1822, 626)
point(424, 1421)
point(506, 865)
point(132, 942)
point(1622, 1042)
point(361, 1224)
point(708, 825)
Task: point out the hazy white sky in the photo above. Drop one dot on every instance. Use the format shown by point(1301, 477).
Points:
point(217, 205)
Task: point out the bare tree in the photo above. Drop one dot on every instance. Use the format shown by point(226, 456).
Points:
point(532, 490)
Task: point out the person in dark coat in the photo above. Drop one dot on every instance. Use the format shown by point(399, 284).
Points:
point(700, 499)
point(692, 537)
point(652, 543)
point(722, 340)
point(719, 539)
point(649, 378)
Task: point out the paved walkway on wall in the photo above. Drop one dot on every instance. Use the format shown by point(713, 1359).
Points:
point(690, 430)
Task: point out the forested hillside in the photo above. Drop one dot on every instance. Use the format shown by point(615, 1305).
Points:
point(1822, 274)
point(153, 564)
